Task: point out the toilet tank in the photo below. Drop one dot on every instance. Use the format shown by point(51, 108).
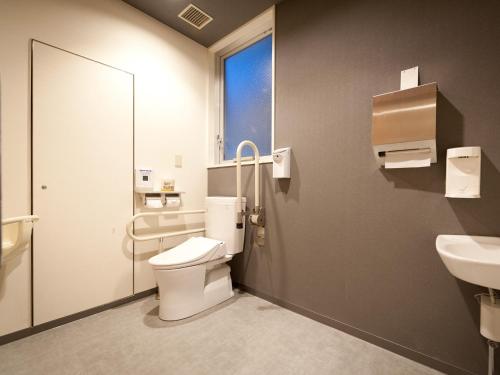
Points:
point(220, 222)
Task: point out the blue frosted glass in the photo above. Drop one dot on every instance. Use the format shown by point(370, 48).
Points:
point(248, 98)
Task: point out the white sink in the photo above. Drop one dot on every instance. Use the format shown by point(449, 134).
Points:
point(474, 259)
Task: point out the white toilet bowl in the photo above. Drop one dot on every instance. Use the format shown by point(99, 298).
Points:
point(193, 276)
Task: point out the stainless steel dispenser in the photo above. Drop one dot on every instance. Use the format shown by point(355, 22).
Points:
point(404, 127)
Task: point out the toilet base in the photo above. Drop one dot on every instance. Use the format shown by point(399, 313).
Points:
point(187, 291)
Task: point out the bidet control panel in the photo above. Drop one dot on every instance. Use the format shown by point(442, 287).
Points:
point(143, 180)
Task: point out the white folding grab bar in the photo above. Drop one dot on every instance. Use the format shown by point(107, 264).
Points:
point(16, 233)
point(159, 236)
point(21, 219)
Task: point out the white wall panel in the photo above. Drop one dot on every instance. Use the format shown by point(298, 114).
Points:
point(82, 183)
point(171, 73)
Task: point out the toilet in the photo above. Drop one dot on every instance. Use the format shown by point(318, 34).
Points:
point(194, 276)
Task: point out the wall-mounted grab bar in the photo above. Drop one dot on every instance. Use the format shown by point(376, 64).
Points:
point(16, 233)
point(21, 219)
point(159, 236)
point(257, 216)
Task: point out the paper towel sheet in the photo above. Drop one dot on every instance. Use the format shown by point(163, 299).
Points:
point(408, 159)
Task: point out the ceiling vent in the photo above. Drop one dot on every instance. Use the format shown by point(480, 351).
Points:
point(195, 16)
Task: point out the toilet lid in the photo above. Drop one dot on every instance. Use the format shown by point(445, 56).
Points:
point(193, 251)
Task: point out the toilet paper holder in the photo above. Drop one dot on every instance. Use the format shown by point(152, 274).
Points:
point(171, 199)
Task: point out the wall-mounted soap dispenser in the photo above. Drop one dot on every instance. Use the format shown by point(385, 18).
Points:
point(281, 162)
point(463, 172)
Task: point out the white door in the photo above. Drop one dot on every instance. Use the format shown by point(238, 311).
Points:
point(82, 183)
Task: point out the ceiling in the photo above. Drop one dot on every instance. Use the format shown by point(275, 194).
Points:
point(228, 15)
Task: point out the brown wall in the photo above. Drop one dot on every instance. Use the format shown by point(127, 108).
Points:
point(348, 243)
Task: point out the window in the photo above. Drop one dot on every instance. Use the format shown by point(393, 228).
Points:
point(242, 92)
point(248, 98)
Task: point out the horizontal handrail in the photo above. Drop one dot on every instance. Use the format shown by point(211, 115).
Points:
point(20, 219)
point(167, 213)
point(130, 225)
point(163, 235)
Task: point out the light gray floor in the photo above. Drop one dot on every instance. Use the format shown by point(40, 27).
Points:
point(245, 335)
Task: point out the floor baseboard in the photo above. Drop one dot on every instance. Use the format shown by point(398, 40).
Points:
point(434, 363)
point(71, 318)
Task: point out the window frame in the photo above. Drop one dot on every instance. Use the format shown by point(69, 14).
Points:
point(250, 33)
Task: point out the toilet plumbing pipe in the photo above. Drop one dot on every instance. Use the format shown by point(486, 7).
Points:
point(492, 345)
point(493, 298)
point(239, 221)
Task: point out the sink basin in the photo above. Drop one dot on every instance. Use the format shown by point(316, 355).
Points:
point(474, 259)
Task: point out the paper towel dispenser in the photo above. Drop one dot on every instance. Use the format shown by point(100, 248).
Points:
point(404, 127)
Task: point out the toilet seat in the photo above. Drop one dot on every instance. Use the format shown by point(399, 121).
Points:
point(195, 250)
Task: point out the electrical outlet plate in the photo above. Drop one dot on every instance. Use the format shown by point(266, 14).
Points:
point(178, 161)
